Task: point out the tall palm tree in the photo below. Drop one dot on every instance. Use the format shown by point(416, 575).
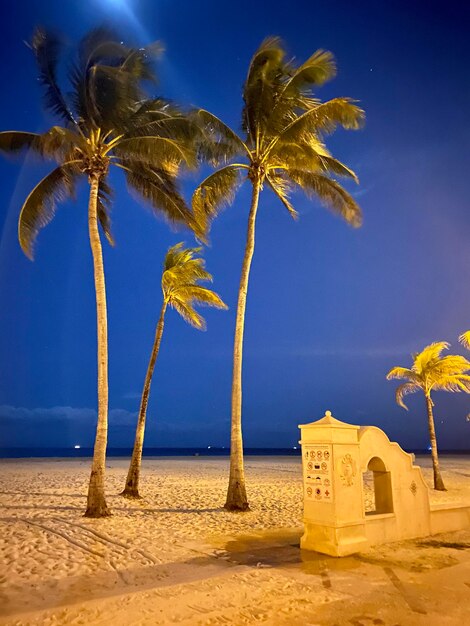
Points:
point(108, 121)
point(183, 270)
point(465, 339)
point(432, 372)
point(282, 148)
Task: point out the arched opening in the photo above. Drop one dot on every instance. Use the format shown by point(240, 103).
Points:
point(381, 500)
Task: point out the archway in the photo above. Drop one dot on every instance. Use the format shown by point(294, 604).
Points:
point(382, 483)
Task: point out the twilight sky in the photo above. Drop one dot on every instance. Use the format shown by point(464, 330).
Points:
point(330, 309)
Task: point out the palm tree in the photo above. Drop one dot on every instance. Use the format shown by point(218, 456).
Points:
point(282, 148)
point(182, 272)
point(108, 121)
point(465, 339)
point(432, 372)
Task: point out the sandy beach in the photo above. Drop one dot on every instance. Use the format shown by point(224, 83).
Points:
point(176, 557)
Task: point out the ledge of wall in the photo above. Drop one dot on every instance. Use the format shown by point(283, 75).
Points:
point(449, 517)
point(443, 518)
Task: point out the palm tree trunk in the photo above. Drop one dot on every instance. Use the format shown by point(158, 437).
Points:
point(438, 482)
point(96, 502)
point(131, 489)
point(236, 494)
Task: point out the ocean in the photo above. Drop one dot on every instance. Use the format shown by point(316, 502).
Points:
point(25, 453)
point(20, 453)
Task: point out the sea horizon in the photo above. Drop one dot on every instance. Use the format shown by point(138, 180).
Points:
point(211, 451)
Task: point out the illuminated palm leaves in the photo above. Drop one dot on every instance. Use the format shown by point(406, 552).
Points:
point(465, 339)
point(284, 125)
point(40, 205)
point(183, 270)
point(432, 372)
point(215, 192)
point(109, 120)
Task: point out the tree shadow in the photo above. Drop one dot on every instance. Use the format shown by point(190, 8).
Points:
point(43, 494)
point(180, 510)
point(28, 507)
point(51, 593)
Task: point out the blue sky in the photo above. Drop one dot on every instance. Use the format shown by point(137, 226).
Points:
point(330, 309)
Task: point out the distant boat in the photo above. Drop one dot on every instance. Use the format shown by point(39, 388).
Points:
point(77, 447)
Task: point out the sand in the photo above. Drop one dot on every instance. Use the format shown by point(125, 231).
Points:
point(177, 557)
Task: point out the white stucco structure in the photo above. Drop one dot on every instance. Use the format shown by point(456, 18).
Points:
point(334, 457)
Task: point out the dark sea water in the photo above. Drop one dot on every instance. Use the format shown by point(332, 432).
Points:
point(21, 453)
point(25, 453)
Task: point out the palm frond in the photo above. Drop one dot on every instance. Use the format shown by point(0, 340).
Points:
point(218, 142)
point(215, 192)
point(183, 266)
point(159, 189)
point(139, 62)
point(178, 126)
point(448, 373)
point(262, 87)
point(58, 143)
point(183, 270)
point(40, 205)
point(155, 151)
point(151, 110)
point(100, 43)
point(282, 188)
point(303, 156)
point(107, 78)
point(403, 373)
point(452, 363)
point(47, 47)
point(316, 70)
point(15, 141)
point(464, 339)
point(329, 193)
point(178, 256)
point(97, 45)
point(186, 272)
point(323, 119)
point(428, 356)
point(453, 384)
point(112, 95)
point(187, 312)
point(202, 296)
point(296, 92)
point(333, 166)
point(404, 390)
point(430, 371)
point(311, 156)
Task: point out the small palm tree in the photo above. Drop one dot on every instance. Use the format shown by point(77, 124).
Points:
point(182, 272)
point(282, 148)
point(432, 372)
point(108, 121)
point(465, 339)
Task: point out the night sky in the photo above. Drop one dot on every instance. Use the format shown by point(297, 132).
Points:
point(330, 309)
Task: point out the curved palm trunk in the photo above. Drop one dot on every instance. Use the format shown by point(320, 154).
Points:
point(131, 489)
point(236, 494)
point(96, 502)
point(438, 482)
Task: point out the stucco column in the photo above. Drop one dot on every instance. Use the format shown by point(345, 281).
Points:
point(334, 518)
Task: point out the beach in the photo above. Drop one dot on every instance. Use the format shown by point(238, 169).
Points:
point(177, 557)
